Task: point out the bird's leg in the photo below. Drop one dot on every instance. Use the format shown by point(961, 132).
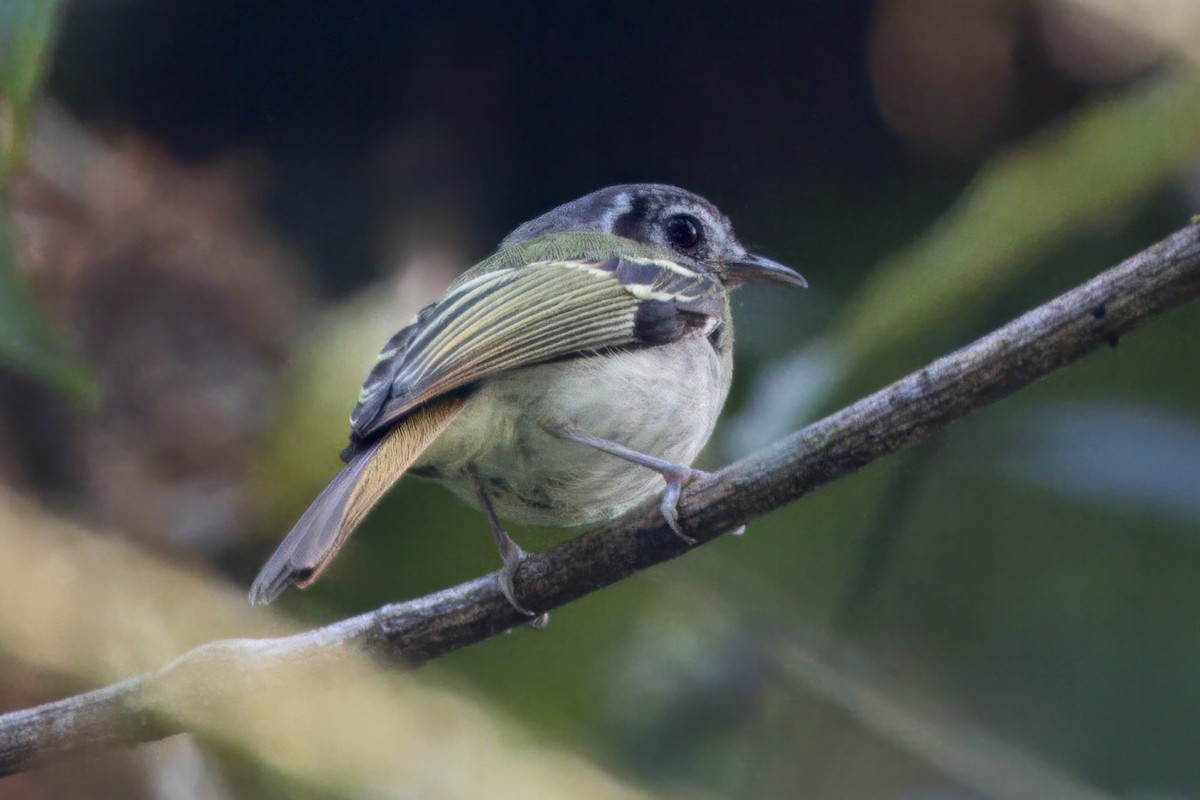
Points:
point(511, 553)
point(676, 475)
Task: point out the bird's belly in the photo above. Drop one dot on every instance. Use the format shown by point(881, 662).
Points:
point(661, 401)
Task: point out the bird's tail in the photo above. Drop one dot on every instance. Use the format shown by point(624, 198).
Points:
point(342, 505)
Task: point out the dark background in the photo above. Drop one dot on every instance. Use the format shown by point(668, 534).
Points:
point(1031, 571)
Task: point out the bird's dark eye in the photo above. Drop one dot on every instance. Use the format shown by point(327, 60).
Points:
point(683, 231)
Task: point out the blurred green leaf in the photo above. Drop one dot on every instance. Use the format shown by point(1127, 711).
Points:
point(28, 343)
point(1070, 179)
point(1073, 178)
point(26, 32)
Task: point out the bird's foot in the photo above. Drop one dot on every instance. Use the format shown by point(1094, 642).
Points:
point(677, 477)
point(676, 480)
point(511, 554)
point(512, 560)
point(505, 579)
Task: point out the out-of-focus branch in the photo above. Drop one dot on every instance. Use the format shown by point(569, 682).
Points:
point(248, 686)
point(987, 764)
point(94, 608)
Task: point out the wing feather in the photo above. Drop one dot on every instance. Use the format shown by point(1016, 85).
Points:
point(519, 316)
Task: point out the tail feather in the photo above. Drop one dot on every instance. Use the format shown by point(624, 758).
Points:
point(343, 504)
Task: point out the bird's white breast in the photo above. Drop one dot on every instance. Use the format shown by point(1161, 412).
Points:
point(661, 401)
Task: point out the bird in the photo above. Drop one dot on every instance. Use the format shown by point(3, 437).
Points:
point(561, 381)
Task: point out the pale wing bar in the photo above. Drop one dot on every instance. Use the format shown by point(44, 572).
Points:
point(489, 325)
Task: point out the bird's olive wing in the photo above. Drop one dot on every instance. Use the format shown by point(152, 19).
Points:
point(538, 312)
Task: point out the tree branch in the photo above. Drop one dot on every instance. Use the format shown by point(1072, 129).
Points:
point(216, 675)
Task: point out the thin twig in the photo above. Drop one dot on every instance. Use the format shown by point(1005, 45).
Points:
point(1092, 315)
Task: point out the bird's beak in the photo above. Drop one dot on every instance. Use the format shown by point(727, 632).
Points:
point(757, 269)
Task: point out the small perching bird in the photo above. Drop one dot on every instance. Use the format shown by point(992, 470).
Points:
point(558, 382)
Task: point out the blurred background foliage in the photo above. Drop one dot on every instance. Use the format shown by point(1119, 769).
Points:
point(226, 207)
point(27, 343)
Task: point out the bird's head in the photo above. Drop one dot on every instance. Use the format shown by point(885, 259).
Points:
point(663, 216)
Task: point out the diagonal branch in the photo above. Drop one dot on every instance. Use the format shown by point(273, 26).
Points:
point(162, 703)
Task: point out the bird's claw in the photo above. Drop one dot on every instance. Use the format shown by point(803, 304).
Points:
point(512, 560)
point(505, 579)
point(676, 480)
